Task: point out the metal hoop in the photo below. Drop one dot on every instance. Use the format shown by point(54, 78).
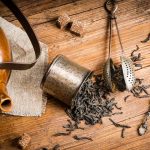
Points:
point(114, 6)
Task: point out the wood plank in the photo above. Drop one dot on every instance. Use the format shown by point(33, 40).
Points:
point(112, 140)
point(91, 52)
point(32, 7)
point(95, 11)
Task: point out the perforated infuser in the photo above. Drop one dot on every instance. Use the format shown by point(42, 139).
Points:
point(126, 63)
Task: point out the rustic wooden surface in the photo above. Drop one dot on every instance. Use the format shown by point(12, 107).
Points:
point(91, 52)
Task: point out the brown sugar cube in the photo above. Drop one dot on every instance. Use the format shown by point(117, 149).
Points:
point(63, 21)
point(77, 28)
point(24, 141)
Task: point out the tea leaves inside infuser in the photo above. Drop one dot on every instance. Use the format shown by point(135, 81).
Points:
point(108, 73)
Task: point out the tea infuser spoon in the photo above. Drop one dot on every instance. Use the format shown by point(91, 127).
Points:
point(109, 68)
point(126, 63)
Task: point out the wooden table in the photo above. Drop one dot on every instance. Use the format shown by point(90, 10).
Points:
point(90, 51)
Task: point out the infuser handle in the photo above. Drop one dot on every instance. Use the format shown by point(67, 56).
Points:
point(25, 24)
point(111, 11)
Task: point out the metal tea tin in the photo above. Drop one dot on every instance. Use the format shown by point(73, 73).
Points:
point(63, 79)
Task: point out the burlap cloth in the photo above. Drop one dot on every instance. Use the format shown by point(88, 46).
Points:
point(24, 86)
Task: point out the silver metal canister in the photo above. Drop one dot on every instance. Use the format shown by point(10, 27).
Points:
point(63, 79)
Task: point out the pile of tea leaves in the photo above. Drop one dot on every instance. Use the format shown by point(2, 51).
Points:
point(92, 102)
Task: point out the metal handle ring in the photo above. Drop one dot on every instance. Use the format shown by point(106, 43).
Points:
point(114, 7)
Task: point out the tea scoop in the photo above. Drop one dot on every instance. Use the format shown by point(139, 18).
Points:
point(126, 63)
point(109, 68)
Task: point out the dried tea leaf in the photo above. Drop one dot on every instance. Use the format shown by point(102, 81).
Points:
point(91, 102)
point(125, 98)
point(122, 132)
point(76, 137)
point(119, 125)
point(56, 147)
point(137, 48)
point(117, 113)
point(62, 133)
point(146, 39)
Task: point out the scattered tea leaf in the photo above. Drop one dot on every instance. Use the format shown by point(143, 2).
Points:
point(56, 147)
point(62, 133)
point(144, 96)
point(117, 113)
point(138, 65)
point(122, 132)
point(91, 102)
point(126, 97)
point(146, 39)
point(76, 137)
point(118, 107)
point(137, 48)
point(119, 125)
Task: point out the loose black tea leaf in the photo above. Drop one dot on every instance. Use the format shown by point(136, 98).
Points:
point(68, 112)
point(139, 81)
point(144, 96)
point(125, 99)
point(117, 107)
point(118, 78)
point(122, 132)
point(137, 57)
point(139, 89)
point(62, 133)
point(71, 126)
point(137, 48)
point(56, 147)
point(117, 113)
point(138, 65)
point(91, 103)
point(147, 86)
point(144, 90)
point(146, 39)
point(119, 125)
point(76, 137)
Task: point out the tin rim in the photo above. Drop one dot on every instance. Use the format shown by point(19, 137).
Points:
point(48, 70)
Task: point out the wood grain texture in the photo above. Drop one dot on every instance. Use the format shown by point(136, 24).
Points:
point(90, 51)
